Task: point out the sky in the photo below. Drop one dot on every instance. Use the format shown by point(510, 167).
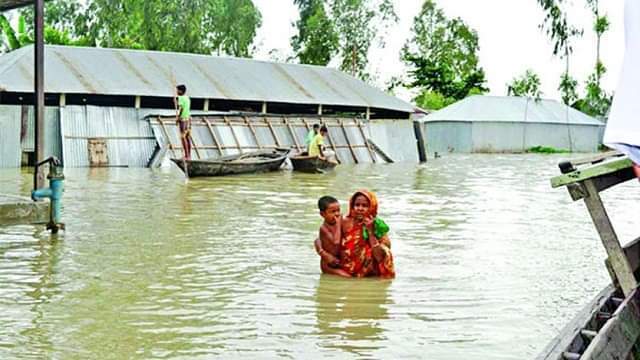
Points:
point(510, 40)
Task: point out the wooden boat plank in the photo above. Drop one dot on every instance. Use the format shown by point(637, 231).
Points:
point(607, 168)
point(571, 332)
point(618, 336)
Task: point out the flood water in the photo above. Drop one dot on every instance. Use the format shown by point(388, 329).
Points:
point(491, 263)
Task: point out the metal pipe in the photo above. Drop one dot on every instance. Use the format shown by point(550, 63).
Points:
point(38, 175)
point(53, 192)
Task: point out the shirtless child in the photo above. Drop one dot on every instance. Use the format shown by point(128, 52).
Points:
point(330, 237)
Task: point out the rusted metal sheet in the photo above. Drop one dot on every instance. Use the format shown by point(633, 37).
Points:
point(80, 70)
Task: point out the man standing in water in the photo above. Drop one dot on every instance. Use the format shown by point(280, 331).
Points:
point(183, 119)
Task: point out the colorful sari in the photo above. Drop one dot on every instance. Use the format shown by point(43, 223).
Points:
point(356, 253)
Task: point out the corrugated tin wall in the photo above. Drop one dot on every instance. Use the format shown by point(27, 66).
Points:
point(396, 138)
point(487, 137)
point(10, 153)
point(52, 142)
point(129, 141)
point(216, 135)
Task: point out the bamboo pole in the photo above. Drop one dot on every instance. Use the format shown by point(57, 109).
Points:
point(166, 133)
point(273, 133)
point(293, 134)
point(213, 136)
point(364, 138)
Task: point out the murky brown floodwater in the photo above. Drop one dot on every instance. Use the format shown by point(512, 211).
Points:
point(491, 263)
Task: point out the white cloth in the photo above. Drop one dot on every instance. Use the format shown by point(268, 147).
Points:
point(623, 126)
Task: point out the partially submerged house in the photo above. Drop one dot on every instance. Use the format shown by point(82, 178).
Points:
point(509, 124)
point(112, 104)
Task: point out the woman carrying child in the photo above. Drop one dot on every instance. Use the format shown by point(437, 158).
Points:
point(365, 249)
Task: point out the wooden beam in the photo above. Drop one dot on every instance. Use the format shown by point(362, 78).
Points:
point(195, 146)
point(320, 109)
point(63, 100)
point(591, 172)
point(273, 133)
point(346, 139)
point(293, 134)
point(213, 136)
point(619, 261)
point(137, 102)
point(233, 133)
point(366, 143)
point(367, 114)
point(205, 107)
point(253, 131)
point(264, 107)
point(166, 134)
point(333, 146)
point(618, 336)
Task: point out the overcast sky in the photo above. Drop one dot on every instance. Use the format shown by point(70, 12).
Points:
point(510, 40)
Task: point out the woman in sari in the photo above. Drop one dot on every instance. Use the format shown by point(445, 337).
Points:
point(365, 249)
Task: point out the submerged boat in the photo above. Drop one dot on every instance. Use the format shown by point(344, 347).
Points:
point(609, 326)
point(311, 164)
point(253, 162)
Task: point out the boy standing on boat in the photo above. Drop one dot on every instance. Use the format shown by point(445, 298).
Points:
point(183, 119)
point(316, 147)
point(310, 135)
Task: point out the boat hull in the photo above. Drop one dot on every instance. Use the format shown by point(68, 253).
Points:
point(311, 164)
point(233, 165)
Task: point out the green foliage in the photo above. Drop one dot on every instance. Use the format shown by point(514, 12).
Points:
point(196, 26)
point(11, 40)
point(546, 150)
point(527, 85)
point(432, 100)
point(558, 27)
point(357, 22)
point(442, 54)
point(317, 41)
point(567, 87)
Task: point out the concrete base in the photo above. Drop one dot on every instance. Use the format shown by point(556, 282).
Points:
point(22, 210)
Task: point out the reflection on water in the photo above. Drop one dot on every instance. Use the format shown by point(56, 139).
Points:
point(491, 263)
point(349, 315)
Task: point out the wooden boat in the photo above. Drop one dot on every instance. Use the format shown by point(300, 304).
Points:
point(311, 164)
point(253, 162)
point(609, 326)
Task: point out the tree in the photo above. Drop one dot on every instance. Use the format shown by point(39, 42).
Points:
point(561, 32)
point(317, 41)
point(357, 23)
point(442, 54)
point(596, 101)
point(195, 26)
point(527, 85)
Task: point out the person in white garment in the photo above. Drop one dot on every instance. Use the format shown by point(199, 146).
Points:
point(623, 126)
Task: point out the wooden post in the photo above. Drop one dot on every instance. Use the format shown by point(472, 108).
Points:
point(619, 261)
point(366, 142)
point(346, 138)
point(333, 146)
point(166, 133)
point(293, 134)
point(233, 132)
point(205, 107)
point(193, 142)
point(137, 104)
point(320, 109)
point(264, 107)
point(273, 133)
point(63, 100)
point(368, 114)
point(253, 131)
point(213, 136)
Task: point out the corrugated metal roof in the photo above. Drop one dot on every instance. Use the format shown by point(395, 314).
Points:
point(151, 73)
point(511, 109)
